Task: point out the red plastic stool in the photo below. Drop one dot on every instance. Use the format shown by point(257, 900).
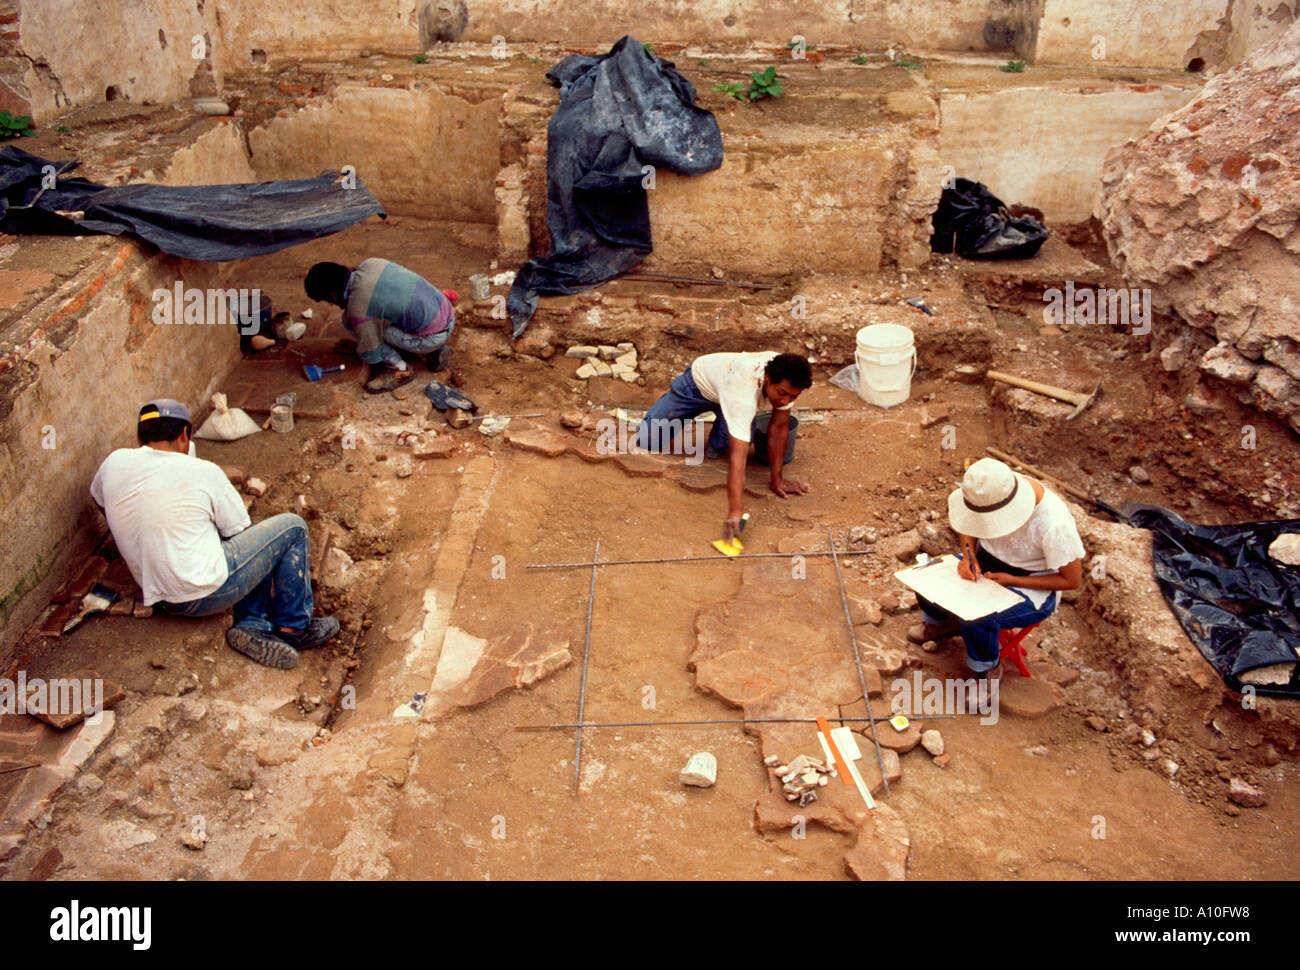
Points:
point(1010, 643)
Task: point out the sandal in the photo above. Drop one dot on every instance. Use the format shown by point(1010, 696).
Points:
point(389, 379)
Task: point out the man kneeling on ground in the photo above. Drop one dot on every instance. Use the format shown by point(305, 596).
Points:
point(187, 539)
point(734, 387)
point(388, 309)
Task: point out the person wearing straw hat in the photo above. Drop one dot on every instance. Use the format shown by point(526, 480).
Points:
point(1016, 533)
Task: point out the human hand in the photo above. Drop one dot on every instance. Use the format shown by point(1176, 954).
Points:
point(1002, 579)
point(784, 487)
point(968, 568)
point(731, 527)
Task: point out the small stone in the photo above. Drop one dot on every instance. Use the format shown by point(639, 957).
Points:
point(308, 313)
point(1139, 474)
point(607, 353)
point(241, 779)
point(771, 760)
point(930, 646)
point(1039, 751)
point(1286, 548)
point(1247, 796)
point(399, 394)
point(571, 419)
point(888, 602)
point(932, 741)
point(1272, 756)
point(1097, 724)
point(458, 418)
point(1147, 738)
point(1169, 767)
point(701, 770)
point(586, 372)
point(255, 487)
point(941, 760)
point(194, 842)
point(157, 663)
point(602, 368)
point(582, 352)
point(932, 416)
point(405, 412)
point(627, 360)
point(235, 475)
point(893, 765)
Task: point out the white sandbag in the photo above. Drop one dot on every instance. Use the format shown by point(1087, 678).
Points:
point(226, 423)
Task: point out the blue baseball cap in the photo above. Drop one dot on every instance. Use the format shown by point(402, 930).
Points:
point(164, 407)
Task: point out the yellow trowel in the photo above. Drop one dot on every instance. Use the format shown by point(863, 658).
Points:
point(732, 547)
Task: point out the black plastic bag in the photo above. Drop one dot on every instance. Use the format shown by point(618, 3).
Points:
point(1238, 605)
point(974, 223)
point(618, 113)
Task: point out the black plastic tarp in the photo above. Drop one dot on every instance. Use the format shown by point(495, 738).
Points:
point(618, 113)
point(208, 222)
point(1238, 605)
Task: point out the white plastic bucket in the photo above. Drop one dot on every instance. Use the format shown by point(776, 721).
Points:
point(886, 359)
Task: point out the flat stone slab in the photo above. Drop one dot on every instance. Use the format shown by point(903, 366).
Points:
point(540, 441)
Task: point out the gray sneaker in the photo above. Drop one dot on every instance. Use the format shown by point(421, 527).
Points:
point(266, 649)
point(320, 629)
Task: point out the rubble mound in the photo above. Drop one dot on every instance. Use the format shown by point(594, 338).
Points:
point(1205, 210)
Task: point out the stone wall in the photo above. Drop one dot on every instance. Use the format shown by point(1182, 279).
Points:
point(422, 153)
point(1050, 158)
point(1205, 209)
point(57, 54)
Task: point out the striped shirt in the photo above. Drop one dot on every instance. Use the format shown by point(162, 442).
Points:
point(381, 293)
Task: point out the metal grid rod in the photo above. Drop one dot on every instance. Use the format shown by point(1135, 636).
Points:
point(857, 659)
point(586, 651)
point(730, 720)
point(747, 555)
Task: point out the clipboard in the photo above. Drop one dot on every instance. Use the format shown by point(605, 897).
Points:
point(939, 583)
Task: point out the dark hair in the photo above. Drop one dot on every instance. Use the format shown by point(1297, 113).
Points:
point(790, 367)
point(325, 280)
point(161, 429)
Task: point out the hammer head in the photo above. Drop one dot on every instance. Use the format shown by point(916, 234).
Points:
point(1078, 408)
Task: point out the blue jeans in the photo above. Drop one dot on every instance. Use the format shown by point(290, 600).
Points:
point(396, 339)
point(268, 585)
point(981, 636)
point(684, 401)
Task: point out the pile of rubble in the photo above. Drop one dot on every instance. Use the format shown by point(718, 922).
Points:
point(801, 778)
point(604, 361)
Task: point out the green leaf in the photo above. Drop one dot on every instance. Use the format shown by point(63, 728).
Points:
point(769, 75)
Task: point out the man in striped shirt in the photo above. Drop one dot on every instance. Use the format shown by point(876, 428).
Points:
point(389, 309)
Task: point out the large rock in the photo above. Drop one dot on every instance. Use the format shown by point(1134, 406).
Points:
point(1205, 210)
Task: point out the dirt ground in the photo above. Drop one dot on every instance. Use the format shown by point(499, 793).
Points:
point(308, 773)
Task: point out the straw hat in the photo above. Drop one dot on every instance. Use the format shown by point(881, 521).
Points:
point(993, 501)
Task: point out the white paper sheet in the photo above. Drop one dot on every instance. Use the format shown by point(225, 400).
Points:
point(968, 600)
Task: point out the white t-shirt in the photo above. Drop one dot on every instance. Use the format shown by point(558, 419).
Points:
point(168, 513)
point(735, 383)
point(1048, 541)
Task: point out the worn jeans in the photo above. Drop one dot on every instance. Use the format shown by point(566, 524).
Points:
point(684, 400)
point(268, 585)
point(981, 636)
point(396, 339)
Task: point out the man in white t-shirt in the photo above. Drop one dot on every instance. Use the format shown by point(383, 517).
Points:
point(185, 535)
point(1015, 532)
point(735, 387)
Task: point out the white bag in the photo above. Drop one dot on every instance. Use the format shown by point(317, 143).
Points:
point(226, 424)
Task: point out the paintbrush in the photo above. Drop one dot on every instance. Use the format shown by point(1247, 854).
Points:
point(97, 600)
point(732, 547)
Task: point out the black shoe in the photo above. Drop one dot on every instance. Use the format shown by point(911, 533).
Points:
point(439, 360)
point(268, 650)
point(320, 629)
